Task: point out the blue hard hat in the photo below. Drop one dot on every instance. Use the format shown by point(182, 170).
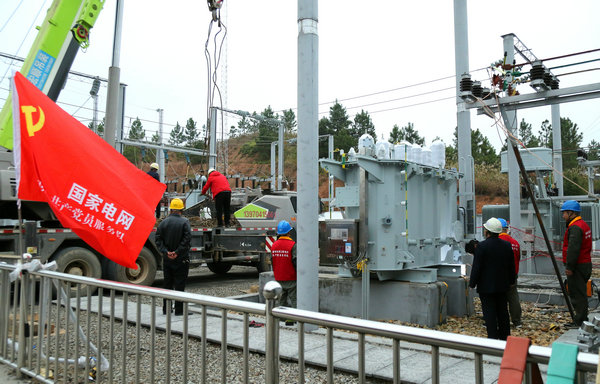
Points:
point(503, 222)
point(283, 227)
point(571, 205)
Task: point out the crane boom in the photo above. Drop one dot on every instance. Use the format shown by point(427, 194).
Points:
point(65, 29)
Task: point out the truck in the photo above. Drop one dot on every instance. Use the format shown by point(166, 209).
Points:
point(37, 231)
point(42, 236)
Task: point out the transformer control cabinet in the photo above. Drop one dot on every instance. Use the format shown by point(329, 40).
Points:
point(338, 242)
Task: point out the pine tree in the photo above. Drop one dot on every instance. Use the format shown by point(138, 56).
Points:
point(363, 124)
point(289, 121)
point(407, 133)
point(336, 124)
point(136, 131)
point(191, 133)
point(176, 137)
point(395, 135)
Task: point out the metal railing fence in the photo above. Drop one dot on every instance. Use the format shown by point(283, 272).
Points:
point(53, 336)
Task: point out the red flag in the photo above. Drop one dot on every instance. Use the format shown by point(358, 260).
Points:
point(90, 187)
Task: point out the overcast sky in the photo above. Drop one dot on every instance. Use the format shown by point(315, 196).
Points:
point(370, 55)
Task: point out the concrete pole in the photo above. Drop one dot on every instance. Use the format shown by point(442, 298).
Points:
point(329, 176)
point(466, 184)
point(308, 155)
point(114, 74)
point(557, 149)
point(280, 157)
point(160, 154)
point(212, 139)
point(514, 186)
point(273, 170)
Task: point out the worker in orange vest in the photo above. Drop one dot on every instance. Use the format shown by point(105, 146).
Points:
point(577, 257)
point(514, 304)
point(283, 256)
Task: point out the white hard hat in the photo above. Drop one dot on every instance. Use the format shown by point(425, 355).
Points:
point(211, 170)
point(154, 165)
point(493, 225)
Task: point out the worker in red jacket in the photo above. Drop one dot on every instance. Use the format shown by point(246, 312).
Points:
point(514, 304)
point(221, 192)
point(283, 256)
point(577, 257)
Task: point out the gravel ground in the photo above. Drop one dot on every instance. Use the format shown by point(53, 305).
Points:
point(542, 324)
point(175, 353)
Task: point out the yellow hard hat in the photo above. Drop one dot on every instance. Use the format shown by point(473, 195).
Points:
point(154, 165)
point(176, 204)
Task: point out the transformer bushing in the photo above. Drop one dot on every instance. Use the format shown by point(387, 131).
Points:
point(411, 214)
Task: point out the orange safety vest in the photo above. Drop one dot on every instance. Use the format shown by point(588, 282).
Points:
point(585, 253)
point(515, 247)
point(281, 256)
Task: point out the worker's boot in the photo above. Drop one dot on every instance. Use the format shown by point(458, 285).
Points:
point(178, 308)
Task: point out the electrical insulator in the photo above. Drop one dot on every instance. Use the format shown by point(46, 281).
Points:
point(477, 89)
point(555, 82)
point(487, 94)
point(166, 155)
point(548, 79)
point(95, 87)
point(466, 83)
point(537, 71)
point(143, 150)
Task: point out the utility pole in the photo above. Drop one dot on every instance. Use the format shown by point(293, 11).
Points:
point(557, 163)
point(114, 74)
point(466, 184)
point(280, 171)
point(160, 154)
point(273, 171)
point(514, 187)
point(308, 155)
point(120, 117)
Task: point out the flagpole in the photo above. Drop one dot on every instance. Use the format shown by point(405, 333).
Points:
point(20, 217)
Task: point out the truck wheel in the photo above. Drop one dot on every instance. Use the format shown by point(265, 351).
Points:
point(143, 275)
point(80, 262)
point(219, 268)
point(264, 264)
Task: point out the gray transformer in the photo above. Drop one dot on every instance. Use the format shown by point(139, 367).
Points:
point(407, 214)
